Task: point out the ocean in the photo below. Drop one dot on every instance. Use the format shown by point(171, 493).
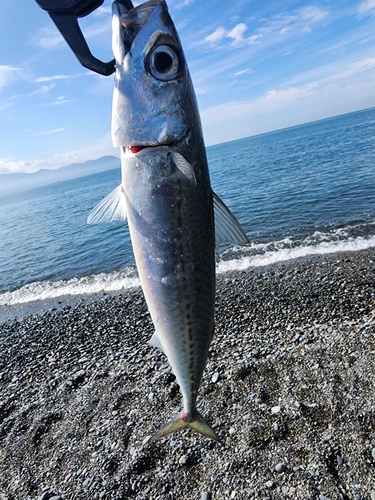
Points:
point(305, 190)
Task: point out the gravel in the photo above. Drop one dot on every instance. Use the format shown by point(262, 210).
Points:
point(289, 387)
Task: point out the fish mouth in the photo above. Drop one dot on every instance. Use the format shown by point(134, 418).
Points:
point(134, 149)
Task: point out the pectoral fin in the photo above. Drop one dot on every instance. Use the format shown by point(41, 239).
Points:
point(184, 170)
point(112, 207)
point(227, 227)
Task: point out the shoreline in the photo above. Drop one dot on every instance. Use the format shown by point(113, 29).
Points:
point(15, 312)
point(289, 387)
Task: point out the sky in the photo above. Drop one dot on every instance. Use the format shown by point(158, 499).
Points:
point(256, 67)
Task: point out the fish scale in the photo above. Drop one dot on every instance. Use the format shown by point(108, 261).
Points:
point(166, 195)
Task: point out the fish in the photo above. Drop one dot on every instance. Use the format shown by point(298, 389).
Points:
point(174, 217)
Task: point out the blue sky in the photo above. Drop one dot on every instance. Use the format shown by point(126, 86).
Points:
point(256, 66)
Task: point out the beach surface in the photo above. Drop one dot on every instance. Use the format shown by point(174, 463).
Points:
point(289, 387)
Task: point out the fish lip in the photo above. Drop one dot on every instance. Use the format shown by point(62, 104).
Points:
point(136, 149)
point(132, 150)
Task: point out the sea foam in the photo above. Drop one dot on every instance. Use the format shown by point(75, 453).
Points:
point(42, 290)
point(233, 259)
point(274, 253)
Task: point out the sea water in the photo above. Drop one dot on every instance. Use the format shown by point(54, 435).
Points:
point(300, 191)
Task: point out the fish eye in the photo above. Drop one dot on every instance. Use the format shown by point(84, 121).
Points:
point(163, 63)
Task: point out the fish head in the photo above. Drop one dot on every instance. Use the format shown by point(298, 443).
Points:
point(153, 101)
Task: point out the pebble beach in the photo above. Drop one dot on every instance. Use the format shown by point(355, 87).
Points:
point(289, 387)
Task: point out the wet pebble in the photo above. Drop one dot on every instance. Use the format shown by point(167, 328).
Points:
point(183, 460)
point(206, 495)
point(280, 467)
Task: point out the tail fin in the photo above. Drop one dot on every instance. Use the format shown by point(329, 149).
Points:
point(197, 423)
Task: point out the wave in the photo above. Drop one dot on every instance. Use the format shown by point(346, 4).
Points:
point(43, 290)
point(285, 250)
point(233, 259)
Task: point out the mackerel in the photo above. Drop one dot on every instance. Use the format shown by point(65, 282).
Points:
point(166, 195)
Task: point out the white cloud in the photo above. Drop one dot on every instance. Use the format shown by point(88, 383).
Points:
point(208, 74)
point(281, 25)
point(90, 151)
point(270, 100)
point(54, 131)
point(179, 4)
point(49, 83)
point(59, 101)
point(98, 29)
point(367, 7)
point(8, 74)
point(364, 64)
point(290, 93)
point(311, 13)
point(200, 90)
point(288, 24)
point(47, 38)
point(42, 79)
point(335, 73)
point(332, 90)
point(43, 89)
point(184, 3)
point(237, 34)
point(243, 72)
point(217, 35)
point(8, 166)
point(103, 11)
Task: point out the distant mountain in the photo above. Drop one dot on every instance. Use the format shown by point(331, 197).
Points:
point(14, 183)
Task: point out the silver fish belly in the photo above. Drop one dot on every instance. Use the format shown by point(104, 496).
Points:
point(166, 196)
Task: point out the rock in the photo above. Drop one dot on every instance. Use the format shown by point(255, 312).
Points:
point(146, 440)
point(206, 495)
point(280, 467)
point(183, 460)
point(340, 461)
